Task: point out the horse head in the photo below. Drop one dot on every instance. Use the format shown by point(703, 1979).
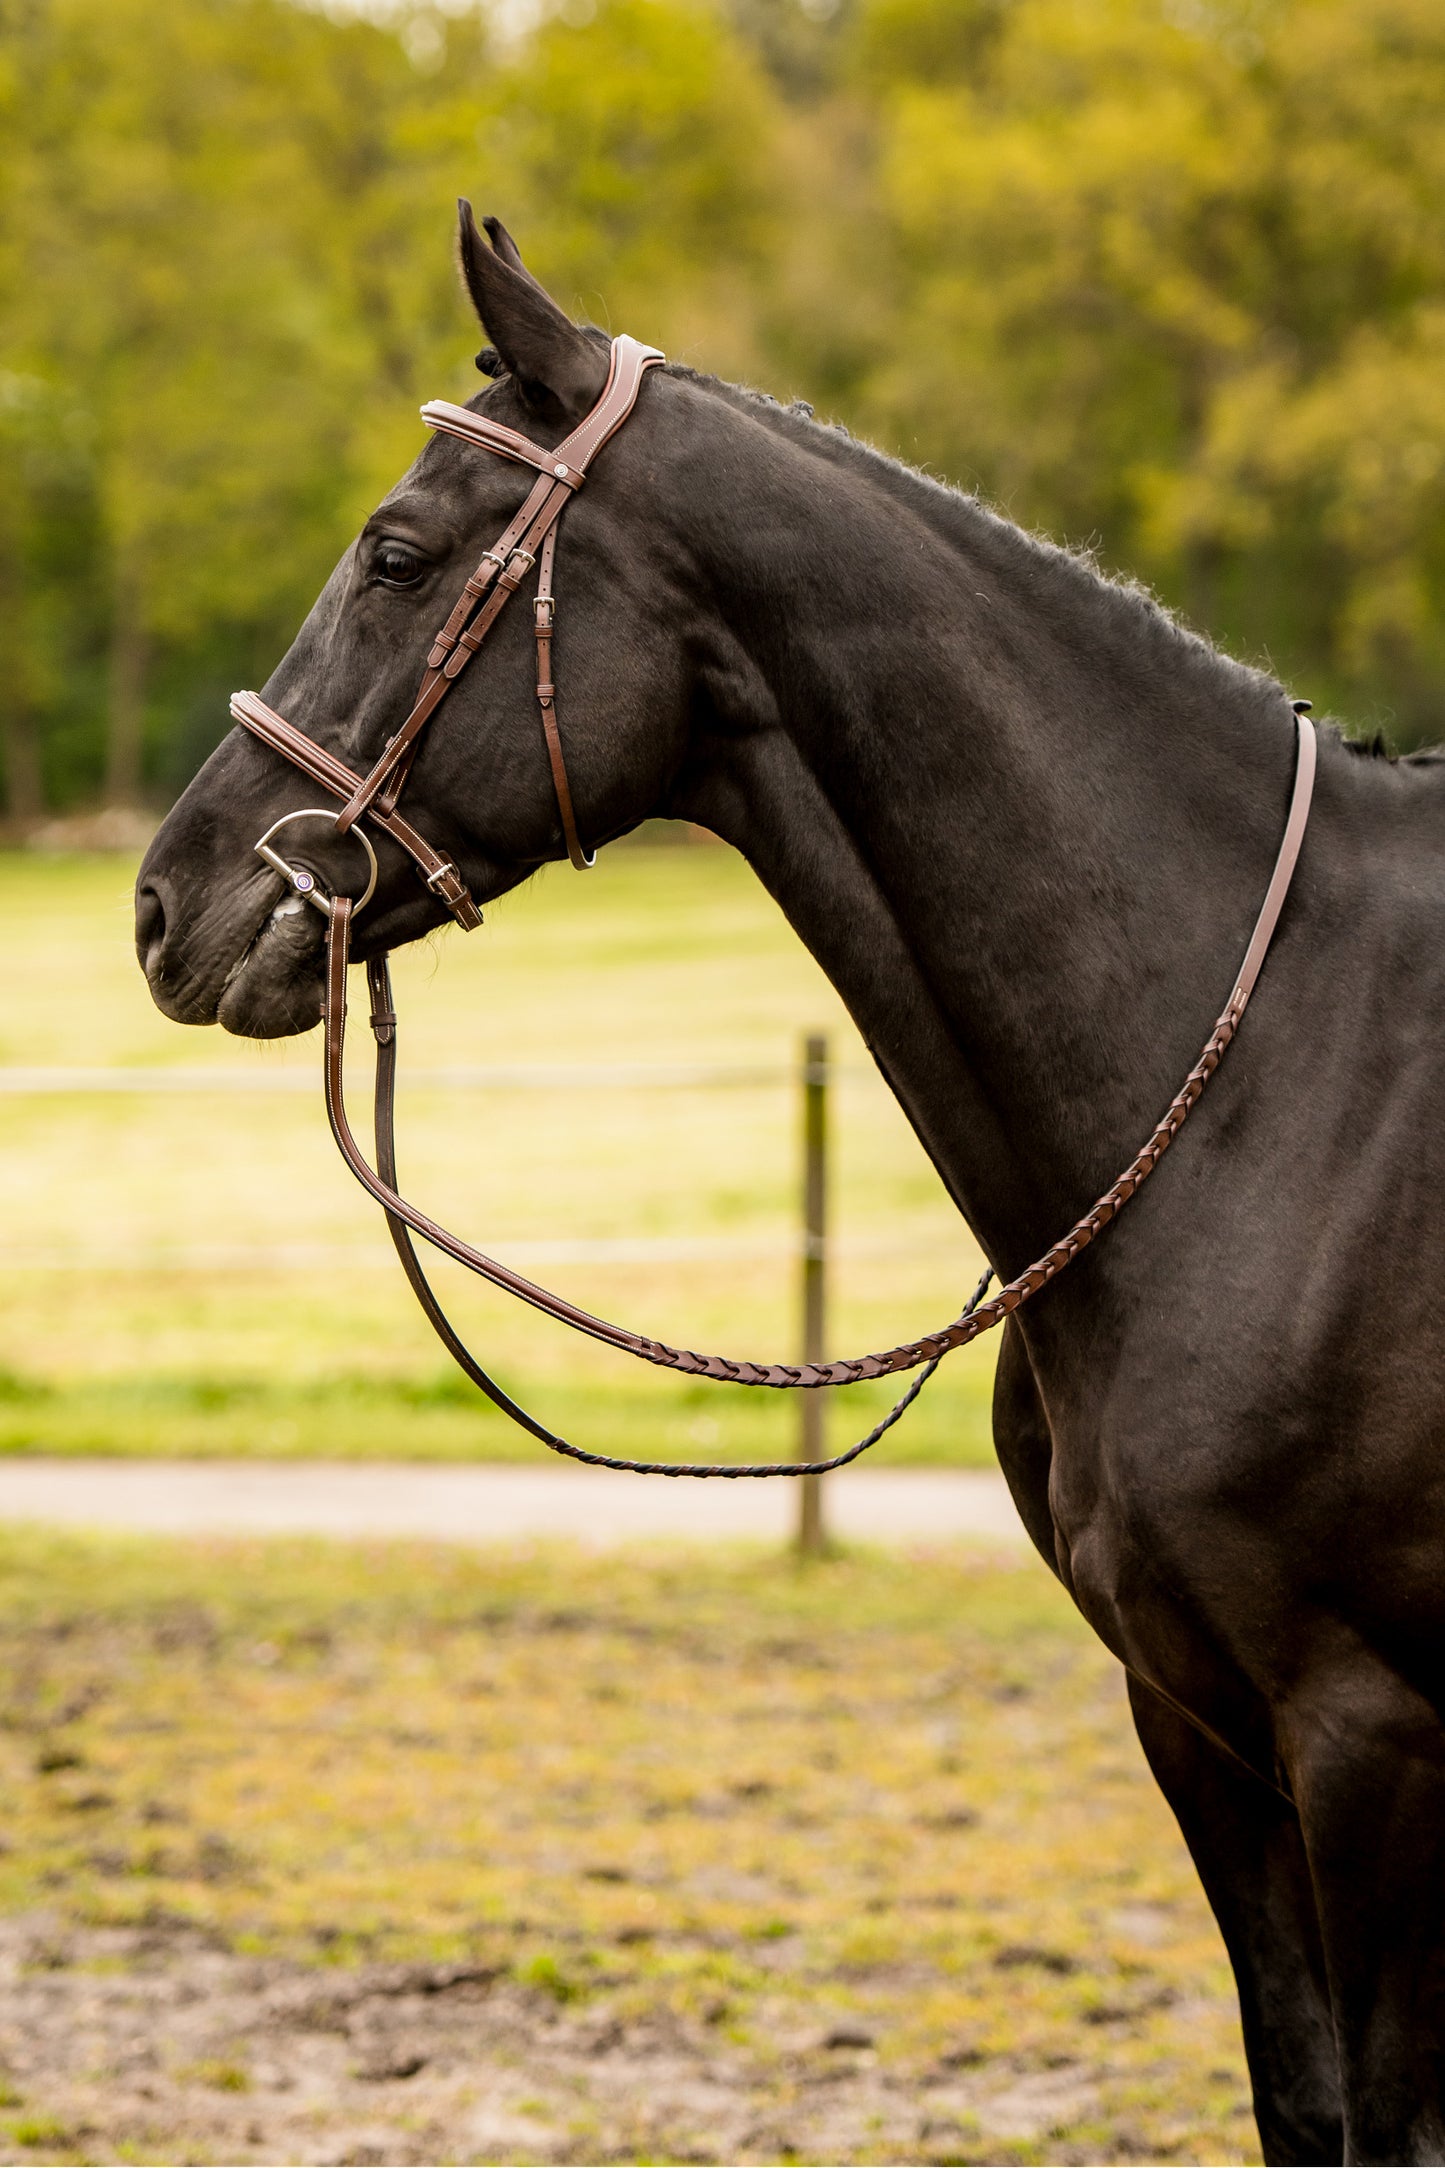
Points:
point(218, 936)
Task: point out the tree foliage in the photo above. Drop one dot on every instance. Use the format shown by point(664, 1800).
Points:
point(1176, 276)
point(1163, 275)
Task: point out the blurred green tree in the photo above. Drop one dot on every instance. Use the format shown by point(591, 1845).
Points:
point(1164, 275)
point(49, 530)
point(227, 253)
point(1171, 278)
point(198, 264)
point(633, 149)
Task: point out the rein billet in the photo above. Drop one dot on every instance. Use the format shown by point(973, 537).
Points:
point(530, 540)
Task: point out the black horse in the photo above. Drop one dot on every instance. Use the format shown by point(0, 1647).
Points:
point(1024, 822)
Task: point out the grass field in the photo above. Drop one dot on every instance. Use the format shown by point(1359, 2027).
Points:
point(399, 1854)
point(195, 1272)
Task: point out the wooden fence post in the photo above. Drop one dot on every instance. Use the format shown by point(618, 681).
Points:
point(811, 1537)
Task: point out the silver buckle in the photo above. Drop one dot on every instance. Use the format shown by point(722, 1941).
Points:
point(297, 879)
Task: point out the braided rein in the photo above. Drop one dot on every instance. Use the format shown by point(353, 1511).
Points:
point(979, 1316)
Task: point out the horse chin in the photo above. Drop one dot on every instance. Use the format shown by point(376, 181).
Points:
point(275, 990)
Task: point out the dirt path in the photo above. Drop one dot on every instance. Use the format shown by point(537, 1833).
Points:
point(491, 1504)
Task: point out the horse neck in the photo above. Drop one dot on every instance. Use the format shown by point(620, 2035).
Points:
point(1023, 823)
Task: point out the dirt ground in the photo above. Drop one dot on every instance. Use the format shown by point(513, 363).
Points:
point(147, 2044)
point(401, 1853)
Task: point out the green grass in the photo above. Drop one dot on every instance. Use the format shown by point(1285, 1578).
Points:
point(197, 1274)
point(895, 1793)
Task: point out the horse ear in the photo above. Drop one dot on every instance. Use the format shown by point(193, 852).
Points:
point(559, 371)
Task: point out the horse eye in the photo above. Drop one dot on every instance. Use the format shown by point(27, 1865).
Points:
point(394, 565)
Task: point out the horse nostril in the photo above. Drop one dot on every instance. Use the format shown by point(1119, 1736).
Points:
point(150, 928)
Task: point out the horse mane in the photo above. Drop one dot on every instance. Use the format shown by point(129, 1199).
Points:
point(1375, 748)
point(1072, 573)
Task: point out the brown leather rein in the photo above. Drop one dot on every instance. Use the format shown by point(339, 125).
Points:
point(530, 539)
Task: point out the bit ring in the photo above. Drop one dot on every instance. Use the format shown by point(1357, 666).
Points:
point(298, 880)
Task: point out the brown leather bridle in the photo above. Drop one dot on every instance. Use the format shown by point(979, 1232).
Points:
point(530, 539)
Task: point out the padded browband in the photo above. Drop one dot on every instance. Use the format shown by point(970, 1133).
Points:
point(460, 421)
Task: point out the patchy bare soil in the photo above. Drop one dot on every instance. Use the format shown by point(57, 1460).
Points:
point(146, 2043)
point(398, 1853)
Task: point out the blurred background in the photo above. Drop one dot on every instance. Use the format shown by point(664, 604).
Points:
point(1165, 278)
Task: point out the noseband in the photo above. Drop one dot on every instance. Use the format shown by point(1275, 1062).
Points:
point(531, 539)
